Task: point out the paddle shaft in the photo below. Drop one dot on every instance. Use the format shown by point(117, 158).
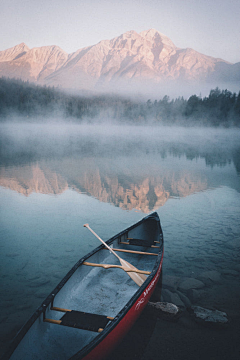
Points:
point(136, 277)
point(108, 247)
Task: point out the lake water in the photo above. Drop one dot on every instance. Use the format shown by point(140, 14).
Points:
point(54, 178)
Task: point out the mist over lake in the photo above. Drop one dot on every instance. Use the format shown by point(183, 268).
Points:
point(110, 112)
point(55, 177)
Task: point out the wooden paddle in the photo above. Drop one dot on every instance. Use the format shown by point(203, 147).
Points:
point(137, 278)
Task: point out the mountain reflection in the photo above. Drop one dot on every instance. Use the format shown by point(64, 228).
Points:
point(32, 178)
point(126, 189)
point(133, 169)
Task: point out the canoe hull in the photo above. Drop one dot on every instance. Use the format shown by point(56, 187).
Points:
point(82, 290)
point(106, 346)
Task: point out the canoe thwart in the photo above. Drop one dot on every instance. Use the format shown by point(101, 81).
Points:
point(140, 242)
point(135, 252)
point(81, 320)
point(109, 266)
point(58, 322)
point(59, 309)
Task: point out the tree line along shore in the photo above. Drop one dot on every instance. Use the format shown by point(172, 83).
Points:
point(24, 99)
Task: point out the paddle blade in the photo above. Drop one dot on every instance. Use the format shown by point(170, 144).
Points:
point(137, 278)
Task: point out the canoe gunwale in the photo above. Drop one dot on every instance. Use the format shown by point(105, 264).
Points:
point(49, 299)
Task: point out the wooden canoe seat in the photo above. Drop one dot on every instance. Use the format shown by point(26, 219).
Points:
point(81, 320)
point(139, 242)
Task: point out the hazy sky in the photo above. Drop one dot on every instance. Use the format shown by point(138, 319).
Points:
point(211, 27)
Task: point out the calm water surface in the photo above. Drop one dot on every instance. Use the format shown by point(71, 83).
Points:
point(54, 178)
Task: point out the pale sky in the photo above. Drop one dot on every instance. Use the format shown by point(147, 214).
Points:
point(211, 27)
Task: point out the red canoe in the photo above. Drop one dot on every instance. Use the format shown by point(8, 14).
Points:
point(98, 301)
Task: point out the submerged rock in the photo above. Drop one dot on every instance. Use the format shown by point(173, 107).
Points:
point(231, 272)
point(237, 267)
point(176, 298)
point(39, 283)
point(190, 283)
point(170, 282)
point(212, 275)
point(208, 317)
point(12, 255)
point(164, 310)
point(195, 295)
point(166, 294)
point(184, 299)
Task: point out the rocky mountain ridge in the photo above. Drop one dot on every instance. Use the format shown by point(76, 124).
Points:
point(148, 57)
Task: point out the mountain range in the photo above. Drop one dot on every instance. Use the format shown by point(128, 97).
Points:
point(128, 61)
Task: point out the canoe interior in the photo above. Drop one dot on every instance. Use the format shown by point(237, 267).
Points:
point(92, 290)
